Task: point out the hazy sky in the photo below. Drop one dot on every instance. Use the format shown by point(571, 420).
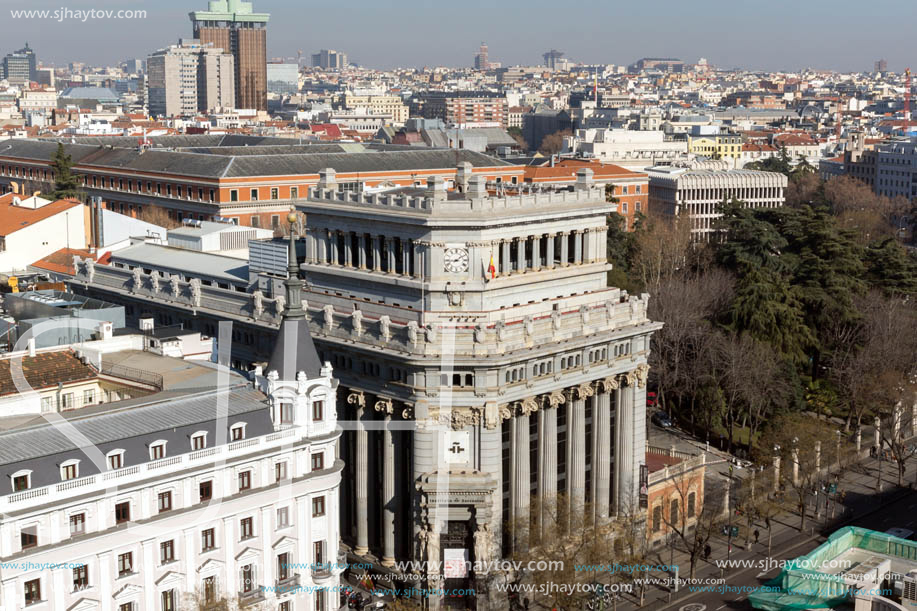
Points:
point(760, 34)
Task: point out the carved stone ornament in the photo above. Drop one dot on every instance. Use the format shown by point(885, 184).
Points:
point(555, 320)
point(412, 333)
point(584, 391)
point(258, 302)
point(385, 329)
point(329, 316)
point(483, 544)
point(609, 384)
point(528, 406)
point(357, 398)
point(584, 314)
point(430, 332)
point(462, 418)
point(609, 310)
point(196, 292)
point(642, 371)
point(491, 416)
point(480, 333)
point(304, 305)
point(279, 303)
point(528, 323)
point(356, 319)
point(505, 412)
point(136, 278)
point(407, 413)
point(301, 382)
point(500, 327)
point(154, 281)
point(630, 378)
point(384, 406)
point(174, 286)
point(556, 398)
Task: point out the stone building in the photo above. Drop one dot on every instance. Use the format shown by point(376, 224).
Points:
point(485, 365)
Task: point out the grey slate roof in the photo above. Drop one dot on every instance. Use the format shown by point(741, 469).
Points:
point(46, 440)
point(216, 166)
point(179, 260)
point(294, 351)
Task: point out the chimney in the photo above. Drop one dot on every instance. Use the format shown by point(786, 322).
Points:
point(477, 186)
point(584, 179)
point(31, 346)
point(146, 324)
point(326, 179)
point(462, 176)
point(436, 188)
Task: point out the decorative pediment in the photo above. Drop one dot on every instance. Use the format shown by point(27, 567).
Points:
point(85, 604)
point(128, 592)
point(210, 567)
point(248, 553)
point(170, 578)
point(285, 541)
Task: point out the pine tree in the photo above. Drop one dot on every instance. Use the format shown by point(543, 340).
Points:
point(66, 183)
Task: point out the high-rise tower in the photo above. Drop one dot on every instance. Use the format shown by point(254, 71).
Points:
point(232, 26)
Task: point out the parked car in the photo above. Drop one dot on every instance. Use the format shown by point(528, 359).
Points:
point(661, 419)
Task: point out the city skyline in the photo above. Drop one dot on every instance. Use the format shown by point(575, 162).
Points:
point(821, 35)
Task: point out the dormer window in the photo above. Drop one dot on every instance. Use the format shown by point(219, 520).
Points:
point(115, 459)
point(318, 410)
point(286, 413)
point(157, 450)
point(199, 441)
point(70, 470)
point(22, 480)
point(237, 432)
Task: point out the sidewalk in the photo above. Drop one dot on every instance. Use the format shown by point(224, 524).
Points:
point(860, 500)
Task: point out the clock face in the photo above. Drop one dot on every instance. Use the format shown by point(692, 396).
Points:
point(456, 260)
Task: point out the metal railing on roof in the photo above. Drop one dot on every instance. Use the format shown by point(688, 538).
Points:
point(130, 373)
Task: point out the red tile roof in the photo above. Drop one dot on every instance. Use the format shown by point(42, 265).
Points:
point(13, 218)
point(565, 171)
point(44, 370)
point(62, 260)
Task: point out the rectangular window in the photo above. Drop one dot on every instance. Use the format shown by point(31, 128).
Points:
point(208, 541)
point(275, 194)
point(206, 490)
point(280, 471)
point(283, 517)
point(80, 577)
point(165, 501)
point(275, 221)
point(256, 221)
point(20, 482)
point(624, 208)
point(318, 506)
point(32, 591)
point(125, 564)
point(245, 480)
point(318, 461)
point(209, 590)
point(123, 512)
point(246, 528)
point(294, 192)
point(69, 472)
point(66, 400)
point(318, 410)
point(28, 537)
point(318, 549)
point(158, 451)
point(211, 195)
point(253, 194)
point(77, 524)
point(166, 552)
point(248, 578)
point(283, 567)
point(46, 402)
point(168, 600)
point(199, 442)
point(126, 607)
point(286, 413)
point(657, 518)
point(233, 195)
point(237, 433)
point(89, 397)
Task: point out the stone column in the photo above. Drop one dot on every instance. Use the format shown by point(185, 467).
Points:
point(407, 248)
point(388, 485)
point(522, 488)
point(601, 454)
point(361, 471)
point(507, 267)
point(520, 255)
point(549, 255)
point(361, 250)
point(311, 246)
point(877, 433)
point(547, 459)
point(333, 237)
point(536, 252)
point(377, 253)
point(624, 450)
point(578, 247)
point(419, 259)
point(390, 254)
point(564, 248)
point(576, 440)
point(348, 248)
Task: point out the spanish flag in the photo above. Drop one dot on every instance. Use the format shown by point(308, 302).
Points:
point(492, 268)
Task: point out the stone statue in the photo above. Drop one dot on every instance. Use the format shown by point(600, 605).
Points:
point(173, 285)
point(480, 333)
point(385, 327)
point(136, 279)
point(528, 324)
point(501, 331)
point(76, 263)
point(90, 268)
point(584, 314)
point(356, 320)
point(642, 372)
point(609, 310)
point(301, 382)
point(555, 320)
point(154, 281)
point(279, 303)
point(304, 305)
point(196, 292)
point(329, 316)
point(483, 545)
point(258, 302)
point(412, 333)
point(430, 332)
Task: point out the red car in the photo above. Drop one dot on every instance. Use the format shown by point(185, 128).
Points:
point(651, 399)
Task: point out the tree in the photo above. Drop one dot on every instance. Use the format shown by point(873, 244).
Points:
point(694, 515)
point(516, 133)
point(158, 216)
point(552, 144)
point(890, 268)
point(66, 183)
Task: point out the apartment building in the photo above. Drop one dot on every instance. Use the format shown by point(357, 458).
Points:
point(462, 108)
point(212, 486)
point(190, 78)
point(391, 105)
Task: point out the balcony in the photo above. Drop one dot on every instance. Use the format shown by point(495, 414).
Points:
point(321, 571)
point(252, 597)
